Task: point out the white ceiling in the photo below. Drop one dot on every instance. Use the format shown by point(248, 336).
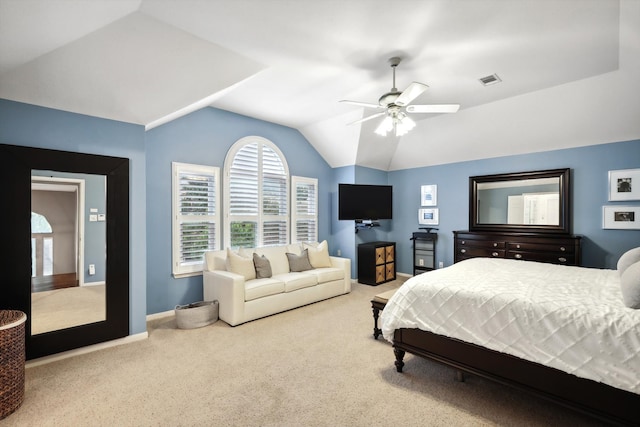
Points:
point(570, 68)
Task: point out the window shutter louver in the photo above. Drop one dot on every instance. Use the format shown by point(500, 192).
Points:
point(196, 216)
point(305, 211)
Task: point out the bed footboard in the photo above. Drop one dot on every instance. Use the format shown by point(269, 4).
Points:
point(593, 398)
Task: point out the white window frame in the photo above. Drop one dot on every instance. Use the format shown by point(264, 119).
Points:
point(297, 216)
point(180, 269)
point(260, 218)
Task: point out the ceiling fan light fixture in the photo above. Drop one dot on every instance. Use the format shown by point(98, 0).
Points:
point(385, 126)
point(404, 124)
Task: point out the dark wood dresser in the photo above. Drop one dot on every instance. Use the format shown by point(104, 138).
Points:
point(542, 247)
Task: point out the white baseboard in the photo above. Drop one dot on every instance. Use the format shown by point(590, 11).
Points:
point(160, 315)
point(407, 275)
point(94, 283)
point(88, 349)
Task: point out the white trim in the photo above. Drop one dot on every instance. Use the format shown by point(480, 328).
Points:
point(160, 315)
point(84, 350)
point(260, 218)
point(193, 269)
point(95, 283)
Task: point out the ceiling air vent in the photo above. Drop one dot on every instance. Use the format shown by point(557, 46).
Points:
point(490, 80)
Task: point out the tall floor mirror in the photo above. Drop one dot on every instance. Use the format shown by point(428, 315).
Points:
point(67, 230)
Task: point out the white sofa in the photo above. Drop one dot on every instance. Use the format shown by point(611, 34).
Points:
point(243, 298)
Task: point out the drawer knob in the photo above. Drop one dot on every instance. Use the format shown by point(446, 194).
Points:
point(562, 248)
point(517, 246)
point(495, 245)
point(462, 242)
point(463, 251)
point(562, 259)
point(495, 254)
point(518, 256)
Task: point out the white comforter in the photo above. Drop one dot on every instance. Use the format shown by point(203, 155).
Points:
point(569, 318)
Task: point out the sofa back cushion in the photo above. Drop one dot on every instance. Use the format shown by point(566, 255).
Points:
point(240, 265)
point(215, 260)
point(318, 254)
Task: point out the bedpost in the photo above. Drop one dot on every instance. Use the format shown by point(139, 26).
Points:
point(399, 356)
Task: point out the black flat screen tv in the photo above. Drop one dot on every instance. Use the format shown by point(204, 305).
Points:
point(365, 202)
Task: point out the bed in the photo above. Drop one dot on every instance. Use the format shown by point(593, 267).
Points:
point(563, 333)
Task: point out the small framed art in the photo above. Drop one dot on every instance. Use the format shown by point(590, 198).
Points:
point(428, 216)
point(624, 184)
point(429, 195)
point(621, 217)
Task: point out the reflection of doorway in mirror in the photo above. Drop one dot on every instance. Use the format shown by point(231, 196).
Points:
point(61, 295)
point(534, 209)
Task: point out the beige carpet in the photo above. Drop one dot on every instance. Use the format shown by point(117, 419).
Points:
point(315, 366)
point(67, 307)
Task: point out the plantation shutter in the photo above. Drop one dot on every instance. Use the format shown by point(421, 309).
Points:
point(257, 194)
point(274, 199)
point(305, 209)
point(196, 216)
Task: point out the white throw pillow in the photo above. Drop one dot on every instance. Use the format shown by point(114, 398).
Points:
point(630, 257)
point(630, 285)
point(319, 255)
point(240, 265)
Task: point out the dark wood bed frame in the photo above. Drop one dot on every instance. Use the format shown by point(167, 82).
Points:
point(596, 399)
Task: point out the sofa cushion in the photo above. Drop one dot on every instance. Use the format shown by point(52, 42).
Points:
point(215, 260)
point(263, 266)
point(294, 281)
point(258, 288)
point(240, 265)
point(318, 254)
point(300, 262)
point(325, 275)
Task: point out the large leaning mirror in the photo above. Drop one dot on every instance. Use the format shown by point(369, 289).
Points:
point(535, 201)
point(69, 233)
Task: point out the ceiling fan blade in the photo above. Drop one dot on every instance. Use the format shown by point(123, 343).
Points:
point(373, 116)
point(410, 93)
point(435, 108)
point(363, 104)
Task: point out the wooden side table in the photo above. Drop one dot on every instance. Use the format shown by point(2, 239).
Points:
point(12, 359)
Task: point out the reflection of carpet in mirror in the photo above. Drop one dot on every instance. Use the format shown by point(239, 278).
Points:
point(64, 308)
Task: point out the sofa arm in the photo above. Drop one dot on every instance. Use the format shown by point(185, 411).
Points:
point(344, 263)
point(228, 289)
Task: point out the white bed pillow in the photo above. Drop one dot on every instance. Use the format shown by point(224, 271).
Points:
point(630, 285)
point(630, 257)
point(240, 265)
point(318, 255)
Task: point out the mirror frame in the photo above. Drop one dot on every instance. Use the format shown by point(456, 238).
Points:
point(564, 225)
point(16, 164)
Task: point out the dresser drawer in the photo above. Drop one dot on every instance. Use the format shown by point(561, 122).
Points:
point(560, 247)
point(477, 243)
point(472, 251)
point(555, 258)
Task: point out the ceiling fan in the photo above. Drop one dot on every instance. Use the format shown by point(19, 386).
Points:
point(397, 104)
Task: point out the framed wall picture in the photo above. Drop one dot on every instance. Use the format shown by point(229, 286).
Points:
point(621, 217)
point(428, 216)
point(624, 184)
point(429, 195)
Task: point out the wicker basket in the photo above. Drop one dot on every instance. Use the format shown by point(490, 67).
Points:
point(12, 358)
point(197, 314)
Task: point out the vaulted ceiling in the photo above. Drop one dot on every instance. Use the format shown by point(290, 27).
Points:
point(570, 69)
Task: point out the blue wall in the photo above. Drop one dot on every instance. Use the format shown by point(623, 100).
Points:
point(28, 125)
point(204, 137)
point(589, 177)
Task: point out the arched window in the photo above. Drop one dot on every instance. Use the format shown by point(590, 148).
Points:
point(256, 194)
point(41, 246)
